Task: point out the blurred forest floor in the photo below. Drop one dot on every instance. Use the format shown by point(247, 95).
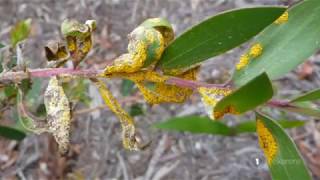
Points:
point(96, 150)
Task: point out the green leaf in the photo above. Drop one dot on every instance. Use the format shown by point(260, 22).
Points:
point(195, 124)
point(2, 45)
point(127, 87)
point(136, 110)
point(285, 163)
point(11, 133)
point(286, 45)
point(250, 126)
point(20, 32)
point(304, 108)
point(254, 93)
point(309, 96)
point(217, 35)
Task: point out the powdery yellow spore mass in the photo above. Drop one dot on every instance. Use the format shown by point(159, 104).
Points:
point(283, 18)
point(210, 97)
point(267, 142)
point(255, 50)
point(243, 62)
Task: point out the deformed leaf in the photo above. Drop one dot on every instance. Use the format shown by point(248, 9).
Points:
point(163, 26)
point(56, 51)
point(256, 92)
point(129, 137)
point(282, 156)
point(20, 32)
point(78, 37)
point(286, 43)
point(58, 113)
point(217, 35)
point(145, 48)
point(26, 120)
point(164, 93)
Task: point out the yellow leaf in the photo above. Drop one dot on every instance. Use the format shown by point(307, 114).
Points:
point(129, 138)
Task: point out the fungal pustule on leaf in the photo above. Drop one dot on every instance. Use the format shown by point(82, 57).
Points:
point(266, 141)
point(283, 18)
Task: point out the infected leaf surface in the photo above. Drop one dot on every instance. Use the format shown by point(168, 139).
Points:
point(58, 113)
point(129, 138)
point(283, 158)
point(78, 37)
point(210, 97)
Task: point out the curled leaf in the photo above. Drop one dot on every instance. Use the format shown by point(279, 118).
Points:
point(163, 26)
point(58, 113)
point(78, 37)
point(146, 45)
point(29, 122)
point(57, 52)
point(129, 137)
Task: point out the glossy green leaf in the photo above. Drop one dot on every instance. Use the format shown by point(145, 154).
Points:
point(309, 96)
point(195, 124)
point(11, 133)
point(250, 126)
point(287, 163)
point(286, 45)
point(217, 35)
point(127, 87)
point(254, 93)
point(20, 32)
point(2, 45)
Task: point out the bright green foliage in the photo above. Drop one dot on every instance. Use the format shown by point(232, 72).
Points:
point(20, 32)
point(205, 125)
point(286, 163)
point(285, 45)
point(195, 124)
point(217, 35)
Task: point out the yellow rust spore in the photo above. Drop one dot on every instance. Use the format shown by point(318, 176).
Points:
point(130, 62)
point(283, 18)
point(210, 97)
point(168, 93)
point(127, 123)
point(243, 62)
point(255, 50)
point(267, 142)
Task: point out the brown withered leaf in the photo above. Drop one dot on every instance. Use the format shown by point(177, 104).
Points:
point(58, 113)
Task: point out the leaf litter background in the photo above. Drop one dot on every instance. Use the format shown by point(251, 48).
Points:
point(96, 150)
